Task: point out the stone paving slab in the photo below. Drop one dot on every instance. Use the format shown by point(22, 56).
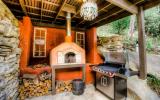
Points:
point(89, 94)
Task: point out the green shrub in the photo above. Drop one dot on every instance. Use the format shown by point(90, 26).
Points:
point(149, 44)
point(154, 83)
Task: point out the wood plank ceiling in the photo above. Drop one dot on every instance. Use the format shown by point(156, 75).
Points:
point(52, 12)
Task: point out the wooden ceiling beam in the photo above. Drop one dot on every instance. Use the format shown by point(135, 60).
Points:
point(11, 2)
point(56, 26)
point(63, 14)
point(34, 18)
point(100, 9)
point(151, 4)
point(115, 11)
point(69, 8)
point(60, 9)
point(77, 12)
point(44, 19)
point(23, 6)
point(75, 15)
point(15, 10)
point(39, 15)
point(48, 2)
point(104, 6)
point(125, 4)
point(40, 9)
point(19, 11)
point(111, 19)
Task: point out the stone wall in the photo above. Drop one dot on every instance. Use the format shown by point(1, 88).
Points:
point(9, 54)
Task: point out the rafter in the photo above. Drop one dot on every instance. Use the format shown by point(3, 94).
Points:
point(112, 18)
point(115, 11)
point(15, 10)
point(100, 9)
point(125, 4)
point(48, 2)
point(56, 26)
point(76, 14)
point(39, 15)
point(34, 19)
point(23, 7)
point(60, 9)
point(19, 11)
point(54, 10)
point(151, 4)
point(106, 5)
point(11, 2)
point(41, 9)
point(69, 8)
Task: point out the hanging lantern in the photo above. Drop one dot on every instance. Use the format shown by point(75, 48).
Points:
point(89, 10)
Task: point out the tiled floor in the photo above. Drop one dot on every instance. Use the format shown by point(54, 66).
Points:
point(89, 94)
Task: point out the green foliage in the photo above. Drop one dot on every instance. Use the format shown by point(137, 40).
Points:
point(102, 31)
point(117, 27)
point(149, 44)
point(128, 41)
point(152, 22)
point(154, 83)
point(120, 25)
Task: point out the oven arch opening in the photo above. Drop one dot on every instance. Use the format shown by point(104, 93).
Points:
point(70, 57)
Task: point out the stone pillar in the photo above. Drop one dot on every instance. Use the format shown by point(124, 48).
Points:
point(9, 54)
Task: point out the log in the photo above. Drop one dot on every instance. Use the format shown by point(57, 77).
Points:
point(32, 88)
point(63, 86)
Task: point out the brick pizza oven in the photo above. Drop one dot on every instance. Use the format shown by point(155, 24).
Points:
point(67, 52)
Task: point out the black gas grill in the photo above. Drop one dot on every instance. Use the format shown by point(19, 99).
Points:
point(111, 77)
point(110, 69)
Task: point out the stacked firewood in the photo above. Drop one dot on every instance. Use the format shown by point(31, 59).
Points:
point(113, 43)
point(63, 86)
point(45, 76)
point(38, 66)
point(34, 86)
point(9, 54)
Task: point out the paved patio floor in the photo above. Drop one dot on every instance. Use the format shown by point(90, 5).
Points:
point(89, 94)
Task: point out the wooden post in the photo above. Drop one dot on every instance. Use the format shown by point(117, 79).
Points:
point(53, 80)
point(141, 41)
point(84, 73)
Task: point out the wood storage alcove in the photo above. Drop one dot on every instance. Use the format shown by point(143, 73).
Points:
point(67, 55)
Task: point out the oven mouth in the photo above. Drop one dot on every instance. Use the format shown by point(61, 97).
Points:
point(70, 57)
